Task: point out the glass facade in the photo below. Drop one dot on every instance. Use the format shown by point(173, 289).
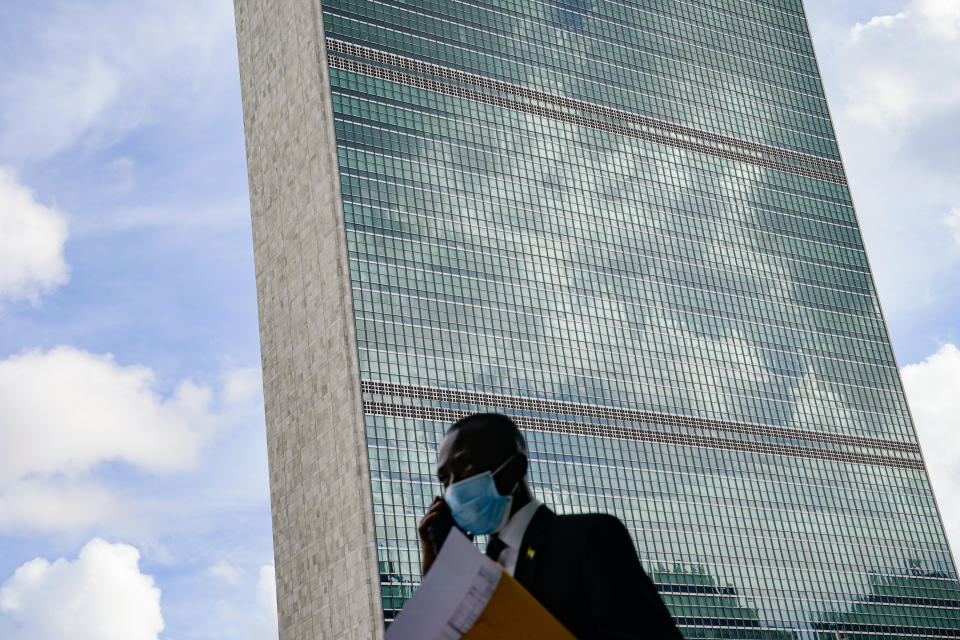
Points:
point(625, 223)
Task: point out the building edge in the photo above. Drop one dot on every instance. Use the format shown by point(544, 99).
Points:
point(873, 282)
point(322, 502)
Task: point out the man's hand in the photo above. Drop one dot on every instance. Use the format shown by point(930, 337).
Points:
point(438, 509)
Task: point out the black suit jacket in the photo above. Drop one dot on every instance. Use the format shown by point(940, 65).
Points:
point(585, 571)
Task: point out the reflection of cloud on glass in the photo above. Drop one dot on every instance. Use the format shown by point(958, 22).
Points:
point(569, 13)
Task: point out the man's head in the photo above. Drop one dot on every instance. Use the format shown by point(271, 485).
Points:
point(485, 442)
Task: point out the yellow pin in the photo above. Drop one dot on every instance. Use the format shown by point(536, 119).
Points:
point(530, 552)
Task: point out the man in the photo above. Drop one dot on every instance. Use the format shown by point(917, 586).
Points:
point(582, 568)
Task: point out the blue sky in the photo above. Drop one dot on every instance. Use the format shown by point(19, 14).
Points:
point(132, 447)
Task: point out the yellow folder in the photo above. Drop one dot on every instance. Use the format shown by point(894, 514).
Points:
point(467, 595)
point(512, 613)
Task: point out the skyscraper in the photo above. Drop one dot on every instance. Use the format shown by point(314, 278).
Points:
point(626, 224)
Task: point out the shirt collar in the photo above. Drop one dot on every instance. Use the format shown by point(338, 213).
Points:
point(512, 532)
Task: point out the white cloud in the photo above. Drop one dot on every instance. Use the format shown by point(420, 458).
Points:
point(96, 74)
point(267, 590)
point(933, 389)
point(102, 595)
point(899, 64)
point(51, 504)
point(31, 243)
point(65, 412)
point(226, 572)
point(241, 384)
point(942, 17)
point(953, 223)
point(893, 81)
point(877, 22)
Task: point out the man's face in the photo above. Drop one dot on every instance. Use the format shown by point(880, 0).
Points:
point(470, 450)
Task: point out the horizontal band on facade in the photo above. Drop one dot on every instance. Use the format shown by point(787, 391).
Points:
point(670, 129)
point(602, 412)
point(645, 435)
point(455, 75)
point(547, 425)
point(599, 125)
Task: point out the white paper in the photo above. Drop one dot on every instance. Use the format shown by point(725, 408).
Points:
point(452, 595)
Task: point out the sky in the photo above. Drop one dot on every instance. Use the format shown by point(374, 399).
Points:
point(133, 470)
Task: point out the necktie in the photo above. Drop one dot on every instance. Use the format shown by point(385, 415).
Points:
point(495, 547)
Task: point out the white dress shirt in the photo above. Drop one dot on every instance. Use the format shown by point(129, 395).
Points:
point(512, 534)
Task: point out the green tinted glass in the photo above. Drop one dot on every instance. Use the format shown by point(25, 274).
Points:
point(626, 225)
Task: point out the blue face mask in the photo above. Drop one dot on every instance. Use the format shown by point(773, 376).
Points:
point(476, 505)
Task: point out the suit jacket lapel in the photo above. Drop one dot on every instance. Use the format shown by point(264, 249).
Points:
point(527, 554)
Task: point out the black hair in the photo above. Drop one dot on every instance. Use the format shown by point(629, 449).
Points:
point(499, 426)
